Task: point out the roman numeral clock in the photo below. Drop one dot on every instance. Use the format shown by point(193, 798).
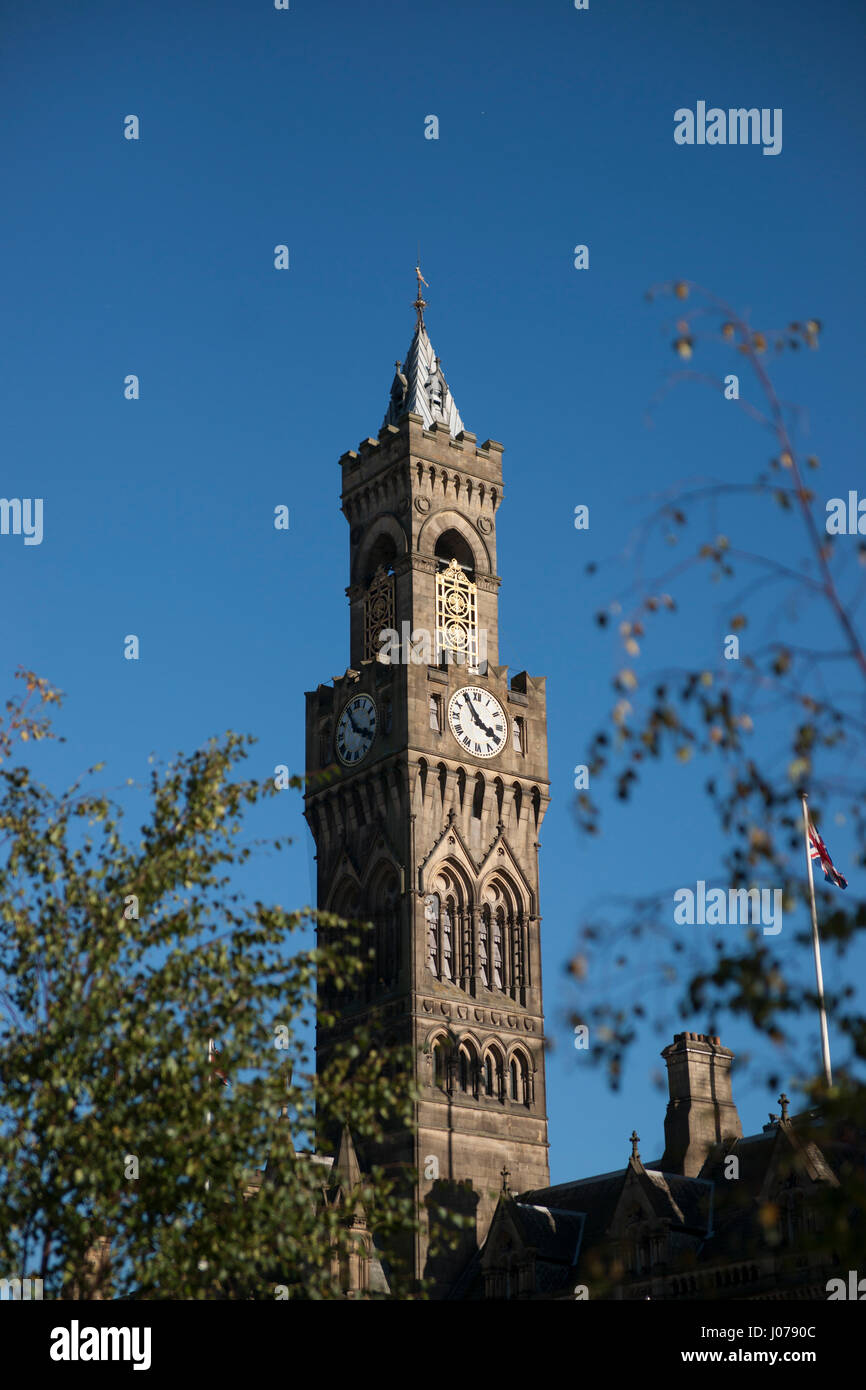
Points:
point(427, 786)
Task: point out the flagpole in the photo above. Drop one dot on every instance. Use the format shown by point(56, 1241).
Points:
point(208, 1116)
point(816, 946)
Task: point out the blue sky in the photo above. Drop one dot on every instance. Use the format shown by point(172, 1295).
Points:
point(306, 127)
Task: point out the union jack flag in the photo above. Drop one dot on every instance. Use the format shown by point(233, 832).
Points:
point(818, 850)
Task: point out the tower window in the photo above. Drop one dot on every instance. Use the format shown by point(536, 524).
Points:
point(447, 939)
point(436, 713)
point(484, 946)
point(378, 609)
point(498, 928)
point(431, 917)
point(513, 1081)
point(439, 918)
point(519, 735)
point(457, 636)
point(440, 1063)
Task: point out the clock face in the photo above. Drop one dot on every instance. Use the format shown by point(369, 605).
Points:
point(356, 729)
point(478, 721)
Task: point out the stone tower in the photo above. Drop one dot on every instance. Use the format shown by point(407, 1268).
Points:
point(428, 823)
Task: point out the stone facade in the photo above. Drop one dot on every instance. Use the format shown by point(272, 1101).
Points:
point(436, 842)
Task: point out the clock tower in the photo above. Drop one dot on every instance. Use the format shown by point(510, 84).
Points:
point(428, 822)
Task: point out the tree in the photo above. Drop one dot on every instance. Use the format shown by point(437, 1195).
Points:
point(785, 716)
point(130, 1159)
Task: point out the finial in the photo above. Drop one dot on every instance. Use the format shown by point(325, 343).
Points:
point(505, 1176)
point(784, 1102)
point(635, 1140)
point(420, 304)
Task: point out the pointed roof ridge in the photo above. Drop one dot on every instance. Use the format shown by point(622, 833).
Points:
point(346, 1170)
point(419, 383)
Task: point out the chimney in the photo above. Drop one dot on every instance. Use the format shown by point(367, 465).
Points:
point(701, 1110)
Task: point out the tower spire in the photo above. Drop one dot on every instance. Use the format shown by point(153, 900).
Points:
point(419, 385)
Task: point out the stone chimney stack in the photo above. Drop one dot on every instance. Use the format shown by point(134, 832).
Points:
point(701, 1110)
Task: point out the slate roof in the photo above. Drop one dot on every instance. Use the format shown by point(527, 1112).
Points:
point(420, 386)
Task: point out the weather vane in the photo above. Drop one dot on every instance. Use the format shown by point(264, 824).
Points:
point(420, 304)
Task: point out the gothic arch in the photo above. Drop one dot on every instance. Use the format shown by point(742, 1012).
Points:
point(467, 1067)
point(520, 1071)
point(383, 898)
point(494, 1053)
point(505, 923)
point(440, 522)
point(448, 923)
point(373, 544)
point(345, 900)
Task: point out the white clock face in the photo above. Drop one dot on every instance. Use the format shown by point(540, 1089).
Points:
point(478, 721)
point(356, 729)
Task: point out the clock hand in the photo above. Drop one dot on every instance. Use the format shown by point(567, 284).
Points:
point(487, 730)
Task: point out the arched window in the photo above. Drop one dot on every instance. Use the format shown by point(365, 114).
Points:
point(346, 904)
point(516, 968)
point(441, 1057)
point(379, 598)
point(498, 932)
point(386, 908)
point(461, 786)
point(478, 796)
point(448, 917)
point(498, 1076)
point(519, 1085)
point(488, 1075)
point(484, 946)
point(500, 796)
point(456, 602)
point(452, 546)
point(447, 940)
point(468, 1069)
point(504, 909)
point(431, 917)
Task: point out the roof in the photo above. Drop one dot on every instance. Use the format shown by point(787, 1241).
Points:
point(420, 386)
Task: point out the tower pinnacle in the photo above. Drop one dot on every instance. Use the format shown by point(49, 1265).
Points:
point(420, 385)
